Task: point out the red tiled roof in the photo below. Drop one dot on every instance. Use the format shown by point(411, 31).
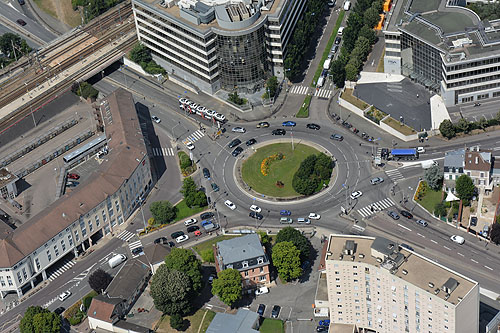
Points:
point(102, 308)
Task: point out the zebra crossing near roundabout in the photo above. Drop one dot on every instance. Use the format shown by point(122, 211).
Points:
point(163, 151)
point(375, 207)
point(125, 235)
point(299, 90)
point(135, 245)
point(194, 137)
point(323, 93)
point(67, 265)
point(394, 175)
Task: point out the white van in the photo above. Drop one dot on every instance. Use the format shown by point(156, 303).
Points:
point(321, 81)
point(347, 5)
point(116, 260)
point(341, 30)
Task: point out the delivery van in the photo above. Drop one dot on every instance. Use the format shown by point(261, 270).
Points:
point(116, 260)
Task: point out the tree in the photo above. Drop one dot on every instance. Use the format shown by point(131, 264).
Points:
point(369, 34)
point(99, 280)
point(207, 255)
point(188, 187)
point(176, 322)
point(289, 234)
point(39, 320)
point(272, 86)
point(463, 125)
point(440, 209)
point(7, 40)
point(162, 211)
point(200, 199)
point(447, 129)
point(495, 233)
point(227, 286)
point(434, 177)
point(185, 261)
point(337, 71)
point(371, 17)
point(171, 291)
point(192, 196)
point(264, 237)
point(286, 259)
point(464, 187)
point(351, 72)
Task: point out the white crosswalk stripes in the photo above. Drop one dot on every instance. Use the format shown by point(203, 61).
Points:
point(67, 265)
point(163, 151)
point(394, 174)
point(323, 93)
point(125, 235)
point(194, 137)
point(299, 90)
point(133, 246)
point(375, 207)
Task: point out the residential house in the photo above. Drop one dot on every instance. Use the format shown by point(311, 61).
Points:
point(495, 170)
point(247, 255)
point(244, 321)
point(156, 254)
point(453, 168)
point(104, 312)
point(478, 168)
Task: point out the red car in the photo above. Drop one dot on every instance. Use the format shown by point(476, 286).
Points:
point(73, 176)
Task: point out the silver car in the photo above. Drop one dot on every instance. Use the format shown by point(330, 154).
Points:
point(238, 130)
point(376, 180)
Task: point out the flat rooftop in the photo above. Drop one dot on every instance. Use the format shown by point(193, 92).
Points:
point(457, 31)
point(420, 270)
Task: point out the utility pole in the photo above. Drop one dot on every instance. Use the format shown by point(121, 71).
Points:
point(13, 49)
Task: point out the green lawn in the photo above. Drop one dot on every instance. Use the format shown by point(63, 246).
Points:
point(304, 109)
point(430, 199)
point(195, 321)
point(183, 211)
point(348, 97)
point(405, 129)
point(279, 170)
point(272, 326)
point(208, 244)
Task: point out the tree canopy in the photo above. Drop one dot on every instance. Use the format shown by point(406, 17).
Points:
point(185, 261)
point(162, 211)
point(94, 8)
point(289, 234)
point(447, 129)
point(495, 233)
point(142, 55)
point(7, 40)
point(99, 280)
point(39, 320)
point(434, 177)
point(171, 291)
point(286, 259)
point(313, 171)
point(193, 197)
point(465, 187)
point(227, 286)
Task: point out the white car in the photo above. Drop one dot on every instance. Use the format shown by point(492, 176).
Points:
point(230, 204)
point(210, 113)
point(457, 239)
point(262, 291)
point(190, 145)
point(156, 119)
point(239, 129)
point(255, 208)
point(64, 295)
point(190, 222)
point(314, 216)
point(183, 100)
point(201, 108)
point(420, 150)
point(220, 117)
point(355, 195)
point(182, 238)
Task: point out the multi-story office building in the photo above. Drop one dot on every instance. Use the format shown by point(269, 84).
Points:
point(219, 44)
point(90, 211)
point(445, 47)
point(379, 286)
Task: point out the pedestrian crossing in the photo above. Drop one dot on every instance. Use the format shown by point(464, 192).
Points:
point(375, 207)
point(135, 245)
point(163, 151)
point(125, 235)
point(394, 175)
point(299, 90)
point(194, 137)
point(323, 93)
point(66, 265)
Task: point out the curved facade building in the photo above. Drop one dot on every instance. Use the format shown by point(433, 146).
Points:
point(218, 44)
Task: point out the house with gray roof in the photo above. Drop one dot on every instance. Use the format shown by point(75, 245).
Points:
point(454, 164)
point(244, 321)
point(247, 255)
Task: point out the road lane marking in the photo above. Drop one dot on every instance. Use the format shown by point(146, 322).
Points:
point(460, 254)
point(474, 261)
point(446, 247)
point(420, 235)
point(488, 268)
point(432, 240)
point(402, 226)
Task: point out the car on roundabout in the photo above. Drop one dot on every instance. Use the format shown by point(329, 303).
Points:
point(263, 124)
point(278, 131)
point(234, 143)
point(376, 180)
point(230, 204)
point(206, 173)
point(215, 187)
point(238, 129)
point(289, 123)
point(313, 126)
point(255, 208)
point(457, 239)
point(256, 215)
point(356, 194)
point(237, 151)
point(314, 216)
point(337, 137)
point(251, 142)
point(285, 212)
point(189, 145)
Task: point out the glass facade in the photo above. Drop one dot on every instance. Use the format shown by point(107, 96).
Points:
point(242, 61)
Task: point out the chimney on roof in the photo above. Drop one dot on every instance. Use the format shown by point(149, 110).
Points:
point(477, 160)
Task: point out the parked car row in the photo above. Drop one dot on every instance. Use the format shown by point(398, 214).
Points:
point(237, 142)
point(200, 110)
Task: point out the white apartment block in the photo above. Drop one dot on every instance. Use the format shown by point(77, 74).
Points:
point(219, 44)
point(445, 47)
point(92, 210)
point(378, 286)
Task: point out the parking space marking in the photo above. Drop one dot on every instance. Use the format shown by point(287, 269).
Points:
point(420, 235)
point(432, 240)
point(460, 254)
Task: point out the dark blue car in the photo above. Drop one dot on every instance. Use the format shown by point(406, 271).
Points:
point(285, 212)
point(289, 123)
point(206, 222)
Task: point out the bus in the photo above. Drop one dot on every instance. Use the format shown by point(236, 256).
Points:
point(404, 154)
